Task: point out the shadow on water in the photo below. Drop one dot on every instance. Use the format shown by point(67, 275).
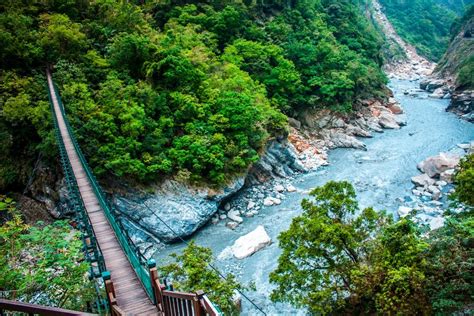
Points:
point(381, 175)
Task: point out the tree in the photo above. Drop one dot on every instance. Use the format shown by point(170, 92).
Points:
point(464, 180)
point(59, 37)
point(339, 259)
point(450, 281)
point(42, 264)
point(190, 272)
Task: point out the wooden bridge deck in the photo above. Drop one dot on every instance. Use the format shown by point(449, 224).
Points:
point(131, 296)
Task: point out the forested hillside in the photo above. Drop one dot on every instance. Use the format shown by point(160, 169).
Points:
point(425, 23)
point(458, 61)
point(193, 88)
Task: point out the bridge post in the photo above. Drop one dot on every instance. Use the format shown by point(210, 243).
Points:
point(110, 291)
point(155, 284)
point(198, 309)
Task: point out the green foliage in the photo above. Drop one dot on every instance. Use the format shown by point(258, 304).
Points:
point(59, 37)
point(450, 277)
point(464, 180)
point(177, 88)
point(338, 259)
point(190, 272)
point(42, 264)
point(423, 23)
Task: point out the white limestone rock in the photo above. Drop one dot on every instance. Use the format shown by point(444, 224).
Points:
point(254, 241)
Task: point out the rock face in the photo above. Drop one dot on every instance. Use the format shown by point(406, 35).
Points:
point(182, 207)
point(431, 85)
point(462, 103)
point(455, 60)
point(248, 244)
point(47, 196)
point(434, 166)
point(279, 161)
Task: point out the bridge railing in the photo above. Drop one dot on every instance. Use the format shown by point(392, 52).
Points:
point(91, 247)
point(136, 258)
point(34, 309)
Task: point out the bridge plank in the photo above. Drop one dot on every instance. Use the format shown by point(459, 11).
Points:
point(131, 296)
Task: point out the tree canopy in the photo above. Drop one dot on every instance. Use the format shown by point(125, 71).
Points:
point(190, 87)
point(338, 259)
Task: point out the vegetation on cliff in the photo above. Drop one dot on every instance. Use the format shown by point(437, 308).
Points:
point(188, 88)
point(425, 24)
point(338, 259)
point(458, 61)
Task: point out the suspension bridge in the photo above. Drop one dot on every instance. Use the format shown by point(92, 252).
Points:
point(132, 285)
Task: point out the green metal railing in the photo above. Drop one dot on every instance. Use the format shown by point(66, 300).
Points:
point(136, 258)
point(91, 248)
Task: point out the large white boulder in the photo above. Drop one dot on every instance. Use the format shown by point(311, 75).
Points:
point(248, 244)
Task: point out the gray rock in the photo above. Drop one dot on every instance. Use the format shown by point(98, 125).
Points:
point(388, 120)
point(235, 216)
point(341, 140)
point(290, 188)
point(232, 225)
point(294, 123)
point(251, 205)
point(431, 85)
point(422, 180)
point(279, 188)
point(182, 207)
point(447, 175)
point(373, 124)
point(279, 161)
point(435, 165)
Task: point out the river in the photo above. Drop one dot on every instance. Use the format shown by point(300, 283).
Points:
point(380, 175)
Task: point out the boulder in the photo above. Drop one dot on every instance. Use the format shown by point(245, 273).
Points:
point(294, 123)
point(462, 103)
point(435, 165)
point(268, 201)
point(254, 241)
point(422, 180)
point(279, 188)
point(235, 216)
point(232, 225)
point(357, 131)
point(251, 205)
point(341, 140)
point(279, 161)
point(447, 175)
point(373, 124)
point(437, 94)
point(290, 188)
point(395, 108)
point(388, 120)
point(431, 85)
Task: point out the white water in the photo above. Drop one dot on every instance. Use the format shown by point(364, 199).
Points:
point(381, 175)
